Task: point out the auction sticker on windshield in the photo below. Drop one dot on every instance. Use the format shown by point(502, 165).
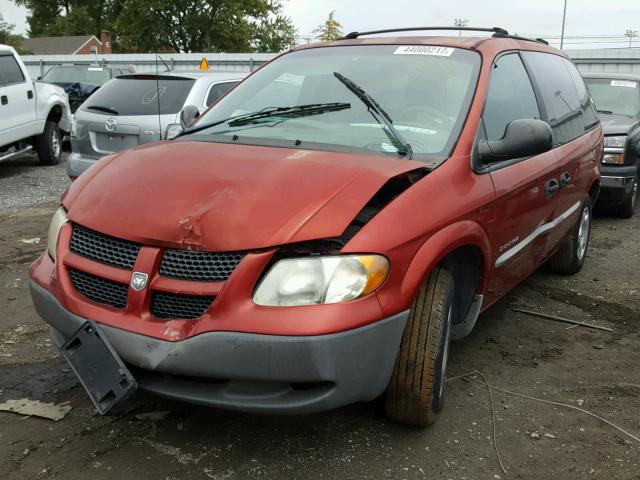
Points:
point(424, 50)
point(623, 83)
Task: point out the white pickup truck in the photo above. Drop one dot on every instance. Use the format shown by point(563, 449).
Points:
point(33, 115)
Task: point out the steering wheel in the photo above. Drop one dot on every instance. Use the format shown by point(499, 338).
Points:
point(419, 115)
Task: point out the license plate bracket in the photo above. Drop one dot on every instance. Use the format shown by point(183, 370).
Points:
point(101, 371)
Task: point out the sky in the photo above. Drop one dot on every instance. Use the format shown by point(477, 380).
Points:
point(528, 18)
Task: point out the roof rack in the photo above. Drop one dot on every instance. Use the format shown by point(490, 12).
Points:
point(494, 30)
point(497, 32)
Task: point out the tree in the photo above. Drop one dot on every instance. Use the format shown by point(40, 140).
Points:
point(42, 13)
point(8, 37)
point(329, 30)
point(168, 25)
point(6, 29)
point(76, 22)
point(71, 17)
point(204, 25)
point(275, 35)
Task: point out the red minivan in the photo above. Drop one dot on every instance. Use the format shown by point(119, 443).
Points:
point(319, 236)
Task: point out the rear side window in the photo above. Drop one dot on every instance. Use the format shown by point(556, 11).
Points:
point(510, 96)
point(559, 95)
point(140, 96)
point(589, 114)
point(10, 70)
point(218, 90)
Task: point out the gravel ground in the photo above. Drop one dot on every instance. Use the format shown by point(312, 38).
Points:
point(593, 370)
point(25, 183)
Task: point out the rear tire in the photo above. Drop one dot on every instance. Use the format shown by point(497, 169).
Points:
point(415, 392)
point(571, 255)
point(49, 144)
point(628, 208)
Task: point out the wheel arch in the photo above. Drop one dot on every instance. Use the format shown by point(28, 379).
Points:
point(464, 249)
point(55, 113)
point(594, 191)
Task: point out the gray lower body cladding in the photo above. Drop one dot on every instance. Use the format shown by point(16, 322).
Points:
point(251, 372)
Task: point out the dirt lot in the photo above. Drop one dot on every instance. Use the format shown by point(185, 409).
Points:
point(594, 370)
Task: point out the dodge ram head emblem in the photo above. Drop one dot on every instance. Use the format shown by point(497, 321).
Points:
point(111, 124)
point(139, 281)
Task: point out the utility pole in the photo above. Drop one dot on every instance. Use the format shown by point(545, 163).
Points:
point(460, 22)
point(631, 34)
point(564, 17)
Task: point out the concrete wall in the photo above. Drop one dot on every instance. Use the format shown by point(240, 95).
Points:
point(621, 60)
point(146, 62)
point(607, 60)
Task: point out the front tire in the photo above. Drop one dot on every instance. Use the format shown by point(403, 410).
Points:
point(415, 392)
point(572, 253)
point(49, 144)
point(628, 208)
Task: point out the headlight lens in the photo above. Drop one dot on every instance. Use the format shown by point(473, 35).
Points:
point(58, 220)
point(317, 280)
point(172, 131)
point(617, 141)
point(613, 158)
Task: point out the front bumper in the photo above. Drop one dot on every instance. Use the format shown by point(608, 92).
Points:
point(251, 372)
point(65, 124)
point(616, 183)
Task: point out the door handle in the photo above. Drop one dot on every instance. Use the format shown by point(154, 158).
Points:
point(4, 100)
point(29, 94)
point(551, 187)
point(565, 179)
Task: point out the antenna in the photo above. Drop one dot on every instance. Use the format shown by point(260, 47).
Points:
point(158, 98)
point(168, 69)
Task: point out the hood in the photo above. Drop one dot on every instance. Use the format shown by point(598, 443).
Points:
point(77, 89)
point(617, 124)
point(220, 197)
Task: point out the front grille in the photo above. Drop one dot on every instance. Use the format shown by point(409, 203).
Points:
point(102, 248)
point(100, 290)
point(173, 305)
point(199, 266)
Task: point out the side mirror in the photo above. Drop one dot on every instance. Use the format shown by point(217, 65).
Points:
point(39, 77)
point(188, 114)
point(522, 138)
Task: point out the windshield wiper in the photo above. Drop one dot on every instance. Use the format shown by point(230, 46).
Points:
point(102, 109)
point(378, 113)
point(290, 112)
point(606, 112)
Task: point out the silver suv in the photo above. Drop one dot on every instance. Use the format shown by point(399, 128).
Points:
point(135, 109)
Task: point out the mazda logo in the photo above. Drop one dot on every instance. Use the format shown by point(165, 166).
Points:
point(111, 124)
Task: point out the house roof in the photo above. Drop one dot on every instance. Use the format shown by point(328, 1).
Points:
point(56, 45)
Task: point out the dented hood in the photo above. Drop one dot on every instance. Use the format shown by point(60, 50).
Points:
point(221, 197)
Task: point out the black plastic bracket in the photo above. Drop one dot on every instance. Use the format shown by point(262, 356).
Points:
point(100, 370)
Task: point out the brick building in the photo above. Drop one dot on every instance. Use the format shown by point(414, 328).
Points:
point(75, 45)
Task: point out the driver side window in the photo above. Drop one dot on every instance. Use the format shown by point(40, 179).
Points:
point(510, 96)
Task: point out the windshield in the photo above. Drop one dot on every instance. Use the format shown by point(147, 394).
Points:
point(621, 97)
point(91, 75)
point(425, 91)
point(140, 96)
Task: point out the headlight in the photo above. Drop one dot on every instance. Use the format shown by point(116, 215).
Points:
point(613, 159)
point(172, 131)
point(617, 141)
point(58, 220)
point(315, 280)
